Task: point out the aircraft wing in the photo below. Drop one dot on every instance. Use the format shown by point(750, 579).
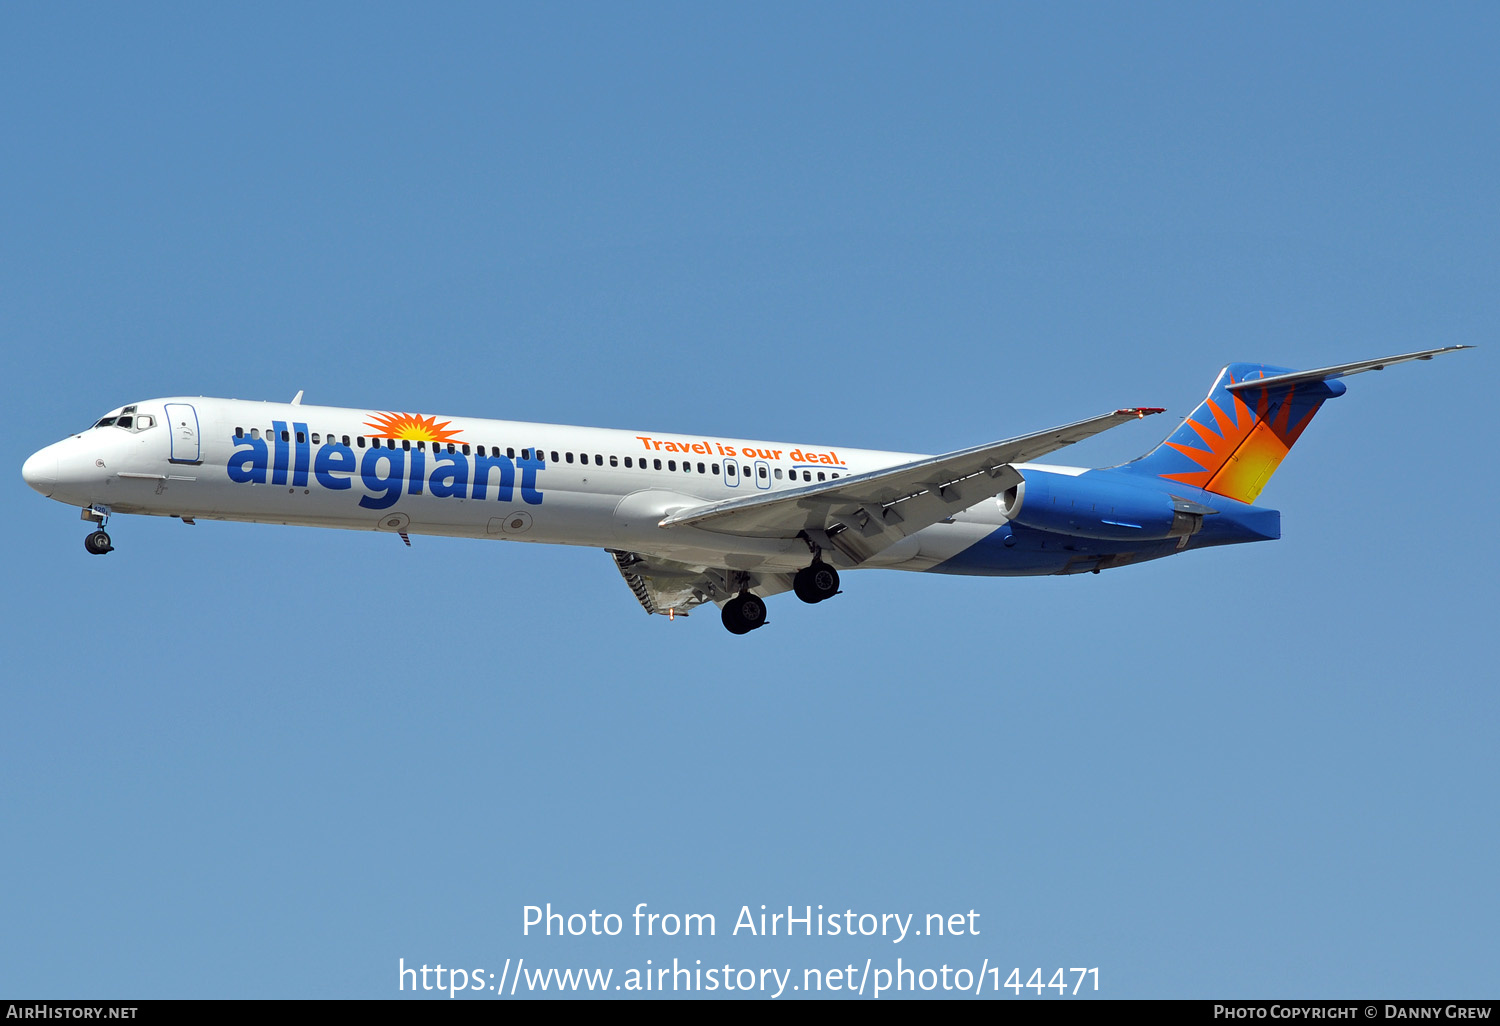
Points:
point(865, 513)
point(673, 589)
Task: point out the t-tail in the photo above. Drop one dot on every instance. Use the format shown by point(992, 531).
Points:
point(1234, 441)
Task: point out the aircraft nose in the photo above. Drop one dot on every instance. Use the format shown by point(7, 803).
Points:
point(40, 471)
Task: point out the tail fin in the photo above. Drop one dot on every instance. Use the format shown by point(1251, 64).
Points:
point(1238, 436)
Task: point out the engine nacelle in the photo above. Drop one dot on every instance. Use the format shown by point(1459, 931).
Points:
point(1098, 506)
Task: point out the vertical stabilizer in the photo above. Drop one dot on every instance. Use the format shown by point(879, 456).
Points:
point(1237, 437)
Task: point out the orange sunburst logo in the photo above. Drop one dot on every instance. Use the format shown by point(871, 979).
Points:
point(411, 427)
point(1241, 452)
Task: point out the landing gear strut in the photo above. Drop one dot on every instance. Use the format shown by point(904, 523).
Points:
point(816, 583)
point(98, 542)
point(744, 613)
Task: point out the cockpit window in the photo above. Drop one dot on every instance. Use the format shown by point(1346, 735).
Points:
point(128, 420)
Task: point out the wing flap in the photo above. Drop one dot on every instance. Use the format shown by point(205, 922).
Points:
point(671, 588)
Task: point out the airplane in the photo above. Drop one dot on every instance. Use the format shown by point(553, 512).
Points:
point(691, 519)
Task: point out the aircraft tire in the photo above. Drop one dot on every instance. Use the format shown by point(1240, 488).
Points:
point(816, 583)
point(98, 543)
point(744, 613)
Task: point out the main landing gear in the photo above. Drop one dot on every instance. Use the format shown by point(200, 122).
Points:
point(816, 583)
point(744, 613)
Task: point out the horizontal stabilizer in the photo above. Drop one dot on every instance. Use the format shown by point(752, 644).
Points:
point(1342, 370)
point(1253, 415)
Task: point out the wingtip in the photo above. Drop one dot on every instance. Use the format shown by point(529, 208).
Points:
point(1141, 411)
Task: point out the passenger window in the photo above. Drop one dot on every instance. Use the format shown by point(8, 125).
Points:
point(301, 438)
point(239, 432)
point(715, 467)
point(255, 432)
point(598, 459)
point(820, 476)
point(421, 446)
point(807, 475)
point(614, 461)
point(450, 448)
point(346, 442)
point(569, 456)
point(466, 448)
point(361, 440)
point(510, 453)
point(406, 444)
point(554, 455)
point(628, 463)
point(315, 438)
point(701, 470)
point(778, 473)
point(657, 464)
point(763, 474)
point(671, 464)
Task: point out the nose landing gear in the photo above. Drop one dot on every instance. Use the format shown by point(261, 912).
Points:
point(98, 542)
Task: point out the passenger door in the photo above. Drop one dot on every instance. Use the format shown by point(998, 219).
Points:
point(182, 422)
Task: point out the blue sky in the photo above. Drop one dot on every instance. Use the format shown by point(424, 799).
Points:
point(257, 761)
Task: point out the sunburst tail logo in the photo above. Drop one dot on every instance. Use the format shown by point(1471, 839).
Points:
point(1234, 441)
point(411, 427)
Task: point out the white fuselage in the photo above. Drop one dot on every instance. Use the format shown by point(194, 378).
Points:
point(318, 466)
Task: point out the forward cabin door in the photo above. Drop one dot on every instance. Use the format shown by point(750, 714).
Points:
point(182, 421)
